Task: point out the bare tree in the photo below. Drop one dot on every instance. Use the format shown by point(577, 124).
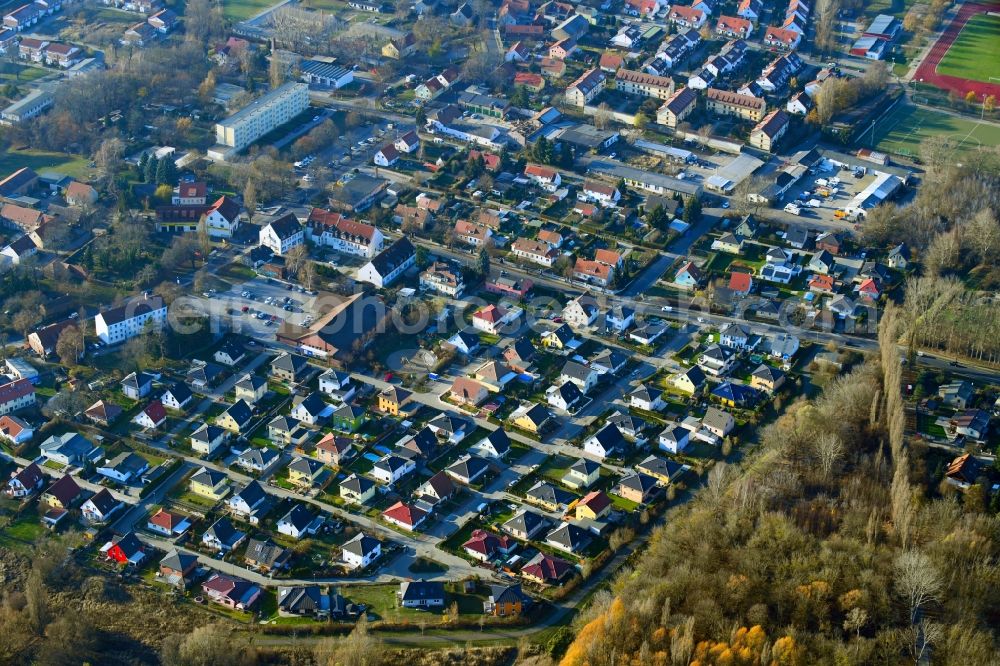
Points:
point(917, 581)
point(829, 449)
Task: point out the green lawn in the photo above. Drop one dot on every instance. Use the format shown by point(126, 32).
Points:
point(975, 54)
point(40, 160)
point(240, 10)
point(17, 73)
point(902, 131)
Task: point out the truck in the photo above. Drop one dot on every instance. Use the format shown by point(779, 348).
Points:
point(793, 209)
point(813, 203)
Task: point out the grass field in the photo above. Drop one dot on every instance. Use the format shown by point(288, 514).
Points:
point(902, 131)
point(40, 160)
point(975, 54)
point(17, 73)
point(241, 10)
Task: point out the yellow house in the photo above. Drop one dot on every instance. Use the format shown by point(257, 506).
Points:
point(392, 399)
point(594, 506)
point(236, 418)
point(304, 472)
point(767, 378)
point(357, 489)
point(560, 338)
point(532, 419)
point(209, 483)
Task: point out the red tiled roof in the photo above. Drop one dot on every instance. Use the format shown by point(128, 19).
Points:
point(596, 501)
point(490, 313)
point(404, 513)
point(166, 520)
point(740, 282)
point(155, 411)
point(609, 257)
point(15, 390)
point(540, 171)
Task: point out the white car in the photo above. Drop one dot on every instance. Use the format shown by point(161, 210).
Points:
point(667, 308)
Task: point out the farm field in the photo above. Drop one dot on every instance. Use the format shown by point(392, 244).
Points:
point(902, 131)
point(975, 54)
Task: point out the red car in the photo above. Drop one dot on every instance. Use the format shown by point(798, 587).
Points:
point(388, 377)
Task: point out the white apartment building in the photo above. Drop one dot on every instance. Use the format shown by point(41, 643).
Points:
point(262, 115)
point(130, 319)
point(388, 264)
point(223, 218)
point(282, 234)
point(343, 234)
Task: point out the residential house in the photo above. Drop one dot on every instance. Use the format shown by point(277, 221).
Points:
point(595, 505)
point(534, 251)
point(767, 378)
point(468, 469)
point(282, 234)
point(68, 449)
point(257, 460)
point(548, 496)
point(388, 264)
point(531, 417)
point(689, 381)
point(207, 439)
point(421, 594)
point(443, 278)
point(361, 551)
point(674, 438)
point(63, 493)
point(407, 516)
point(561, 338)
point(305, 472)
point(436, 489)
point(565, 396)
point(137, 385)
point(495, 445)
point(686, 17)
point(222, 536)
point(299, 522)
point(546, 569)
point(99, 508)
point(638, 487)
point(781, 38)
point(266, 556)
point(525, 525)
point(663, 470)
point(509, 600)
point(608, 361)
point(209, 483)
point(972, 424)
point(568, 538)
point(168, 524)
point(250, 504)
point(176, 397)
point(151, 416)
point(290, 368)
point(393, 399)
point(103, 413)
point(964, 471)
point(125, 549)
point(957, 394)
point(582, 474)
point(130, 319)
point(357, 489)
point(646, 398)
point(178, 567)
point(583, 376)
point(231, 591)
point(250, 389)
point(608, 442)
point(736, 395)
point(236, 417)
point(718, 422)
point(689, 276)
point(391, 468)
point(125, 468)
point(584, 89)
point(334, 450)
point(582, 311)
point(466, 391)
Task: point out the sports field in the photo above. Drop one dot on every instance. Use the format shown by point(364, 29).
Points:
point(905, 127)
point(241, 10)
point(975, 54)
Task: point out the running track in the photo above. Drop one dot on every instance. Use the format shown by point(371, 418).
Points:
point(928, 68)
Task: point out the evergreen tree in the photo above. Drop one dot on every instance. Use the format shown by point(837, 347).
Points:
point(484, 262)
point(143, 161)
point(149, 171)
point(692, 210)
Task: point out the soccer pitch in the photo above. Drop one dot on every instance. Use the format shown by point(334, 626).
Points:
point(903, 130)
point(975, 54)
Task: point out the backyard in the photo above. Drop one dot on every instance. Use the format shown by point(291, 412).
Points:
point(40, 160)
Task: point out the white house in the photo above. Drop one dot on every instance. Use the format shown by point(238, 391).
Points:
point(389, 264)
point(386, 156)
point(130, 319)
point(392, 468)
point(223, 218)
point(282, 235)
point(361, 551)
point(299, 522)
point(674, 438)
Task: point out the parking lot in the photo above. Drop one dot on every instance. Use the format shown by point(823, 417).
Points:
point(842, 186)
point(259, 306)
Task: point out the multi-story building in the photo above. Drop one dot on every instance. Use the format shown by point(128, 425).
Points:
point(282, 234)
point(130, 319)
point(388, 264)
point(343, 234)
point(262, 115)
point(16, 395)
point(26, 108)
point(677, 108)
point(534, 251)
point(631, 82)
point(727, 103)
point(769, 130)
point(442, 278)
point(582, 91)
